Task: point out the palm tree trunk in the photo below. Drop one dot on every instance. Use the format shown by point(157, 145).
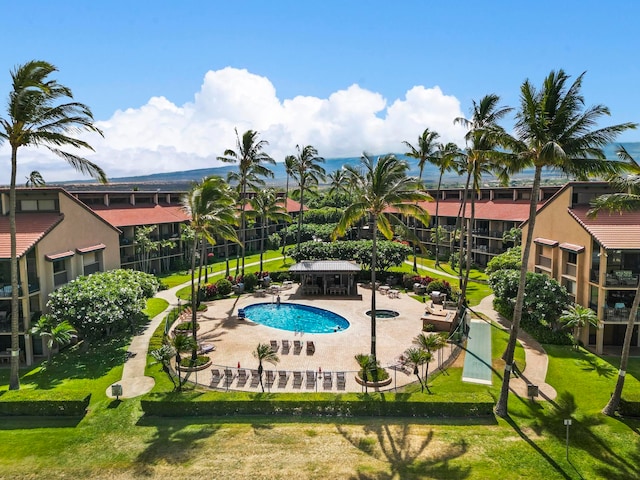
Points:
point(226, 255)
point(14, 377)
point(264, 220)
point(416, 372)
point(374, 251)
point(260, 370)
point(286, 201)
point(300, 216)
point(194, 308)
point(438, 221)
point(243, 223)
point(461, 215)
point(612, 406)
point(463, 293)
point(426, 378)
point(503, 401)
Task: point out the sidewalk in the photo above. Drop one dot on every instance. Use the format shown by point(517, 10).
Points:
point(536, 359)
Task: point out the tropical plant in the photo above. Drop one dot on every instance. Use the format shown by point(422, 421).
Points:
point(308, 172)
point(381, 185)
point(367, 363)
point(413, 358)
point(483, 138)
point(509, 260)
point(54, 333)
point(35, 180)
point(164, 355)
point(39, 113)
point(251, 160)
point(289, 164)
point(576, 317)
point(211, 207)
point(182, 344)
point(429, 342)
point(425, 152)
point(266, 206)
point(513, 236)
point(146, 246)
point(627, 199)
point(338, 183)
point(553, 130)
point(264, 353)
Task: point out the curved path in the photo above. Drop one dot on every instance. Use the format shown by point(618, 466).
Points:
point(135, 383)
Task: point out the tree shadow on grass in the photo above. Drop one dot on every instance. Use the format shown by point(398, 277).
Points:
point(174, 444)
point(405, 453)
point(593, 364)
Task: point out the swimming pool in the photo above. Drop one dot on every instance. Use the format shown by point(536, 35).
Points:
point(296, 318)
point(384, 313)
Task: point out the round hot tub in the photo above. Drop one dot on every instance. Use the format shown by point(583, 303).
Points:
point(384, 313)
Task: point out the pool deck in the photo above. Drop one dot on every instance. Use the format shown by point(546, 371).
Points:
point(235, 339)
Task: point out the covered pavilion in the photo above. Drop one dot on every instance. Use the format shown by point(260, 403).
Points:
point(327, 277)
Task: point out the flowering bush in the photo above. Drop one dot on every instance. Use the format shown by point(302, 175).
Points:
point(210, 291)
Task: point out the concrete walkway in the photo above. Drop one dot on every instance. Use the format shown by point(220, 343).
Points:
point(537, 361)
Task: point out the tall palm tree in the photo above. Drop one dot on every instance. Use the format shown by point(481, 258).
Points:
point(413, 358)
point(250, 157)
point(446, 159)
point(554, 130)
point(338, 185)
point(211, 207)
point(380, 185)
point(576, 317)
point(483, 138)
point(267, 206)
point(430, 343)
point(308, 172)
point(289, 164)
point(54, 333)
point(628, 199)
point(40, 112)
point(35, 180)
point(424, 152)
point(264, 353)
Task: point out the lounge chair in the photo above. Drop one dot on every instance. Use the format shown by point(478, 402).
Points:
point(311, 348)
point(215, 376)
point(341, 382)
point(297, 347)
point(438, 313)
point(274, 345)
point(285, 347)
point(297, 379)
point(283, 378)
point(242, 377)
point(327, 380)
point(311, 379)
point(255, 378)
point(228, 377)
point(270, 376)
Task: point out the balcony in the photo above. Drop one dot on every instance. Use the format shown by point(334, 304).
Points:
point(544, 262)
point(570, 270)
point(622, 279)
point(5, 288)
point(618, 314)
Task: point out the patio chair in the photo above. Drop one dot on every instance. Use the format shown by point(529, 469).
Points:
point(311, 348)
point(274, 345)
point(283, 378)
point(297, 379)
point(341, 382)
point(311, 379)
point(285, 347)
point(437, 313)
point(270, 376)
point(215, 376)
point(255, 378)
point(327, 380)
point(297, 347)
point(228, 377)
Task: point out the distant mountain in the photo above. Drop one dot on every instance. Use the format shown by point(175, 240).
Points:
point(181, 180)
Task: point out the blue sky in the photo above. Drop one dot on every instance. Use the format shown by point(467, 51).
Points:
point(169, 81)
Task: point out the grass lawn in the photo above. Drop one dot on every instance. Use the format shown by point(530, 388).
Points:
point(114, 441)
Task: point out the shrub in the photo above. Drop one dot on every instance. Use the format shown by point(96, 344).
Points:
point(210, 291)
point(441, 286)
point(186, 327)
point(39, 403)
point(200, 360)
point(509, 260)
point(224, 287)
point(250, 282)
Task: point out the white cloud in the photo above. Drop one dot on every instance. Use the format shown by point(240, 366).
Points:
point(163, 137)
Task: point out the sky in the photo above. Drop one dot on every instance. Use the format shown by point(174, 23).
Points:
point(169, 82)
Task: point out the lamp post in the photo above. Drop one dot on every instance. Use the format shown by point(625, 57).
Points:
point(567, 423)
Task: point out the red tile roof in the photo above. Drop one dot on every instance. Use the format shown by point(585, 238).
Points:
point(506, 210)
point(612, 230)
point(30, 228)
point(132, 215)
point(292, 206)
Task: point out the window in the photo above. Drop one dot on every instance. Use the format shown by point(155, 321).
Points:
point(60, 272)
point(91, 262)
point(38, 205)
point(572, 257)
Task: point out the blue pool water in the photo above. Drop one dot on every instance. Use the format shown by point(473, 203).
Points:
point(296, 318)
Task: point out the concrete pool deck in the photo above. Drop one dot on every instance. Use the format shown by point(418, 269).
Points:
point(235, 339)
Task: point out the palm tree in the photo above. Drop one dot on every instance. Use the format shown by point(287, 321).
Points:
point(628, 199)
point(307, 171)
point(413, 358)
point(264, 353)
point(554, 130)
point(430, 343)
point(35, 180)
point(267, 206)
point(380, 185)
point(38, 115)
point(366, 363)
point(289, 164)
point(250, 158)
point(424, 152)
point(446, 158)
point(577, 316)
point(54, 333)
point(211, 207)
point(484, 136)
point(182, 344)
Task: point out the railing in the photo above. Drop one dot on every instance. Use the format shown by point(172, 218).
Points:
point(5, 289)
point(618, 314)
point(543, 261)
point(621, 282)
point(570, 269)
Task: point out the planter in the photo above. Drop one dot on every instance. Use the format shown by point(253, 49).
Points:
point(381, 383)
point(196, 368)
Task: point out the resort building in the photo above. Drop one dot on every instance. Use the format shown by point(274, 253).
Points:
point(596, 259)
point(58, 239)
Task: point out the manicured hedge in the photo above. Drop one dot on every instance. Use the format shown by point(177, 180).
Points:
point(24, 402)
point(320, 404)
point(630, 407)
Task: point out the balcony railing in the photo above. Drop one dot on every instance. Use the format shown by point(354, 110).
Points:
point(621, 281)
point(543, 261)
point(570, 269)
point(5, 288)
point(618, 314)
